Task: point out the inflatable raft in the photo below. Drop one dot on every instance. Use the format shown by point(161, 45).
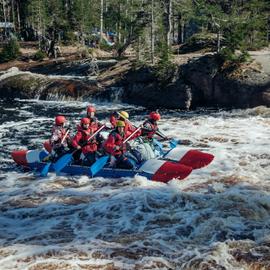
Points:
point(176, 164)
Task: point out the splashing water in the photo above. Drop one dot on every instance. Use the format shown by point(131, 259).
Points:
point(218, 218)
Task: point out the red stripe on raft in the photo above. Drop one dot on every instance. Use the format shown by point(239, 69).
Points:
point(170, 170)
point(47, 146)
point(20, 157)
point(196, 159)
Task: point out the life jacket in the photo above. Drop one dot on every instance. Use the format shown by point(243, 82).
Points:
point(149, 129)
point(113, 120)
point(82, 136)
point(58, 133)
point(115, 139)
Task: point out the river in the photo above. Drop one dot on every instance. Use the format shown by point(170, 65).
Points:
point(217, 218)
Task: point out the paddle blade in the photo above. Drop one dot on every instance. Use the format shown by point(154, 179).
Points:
point(196, 159)
point(98, 165)
point(173, 143)
point(159, 146)
point(45, 170)
point(62, 162)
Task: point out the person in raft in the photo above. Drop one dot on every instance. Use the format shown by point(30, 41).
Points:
point(116, 147)
point(122, 116)
point(95, 124)
point(91, 114)
point(150, 127)
point(81, 142)
point(60, 139)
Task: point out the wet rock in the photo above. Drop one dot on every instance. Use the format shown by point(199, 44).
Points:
point(142, 87)
point(32, 86)
point(202, 82)
point(211, 86)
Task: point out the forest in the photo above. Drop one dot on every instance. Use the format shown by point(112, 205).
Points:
point(154, 29)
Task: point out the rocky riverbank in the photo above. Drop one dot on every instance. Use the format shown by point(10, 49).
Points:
point(202, 81)
point(27, 85)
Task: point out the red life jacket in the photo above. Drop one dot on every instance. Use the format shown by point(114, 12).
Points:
point(82, 137)
point(149, 129)
point(58, 134)
point(115, 139)
point(113, 120)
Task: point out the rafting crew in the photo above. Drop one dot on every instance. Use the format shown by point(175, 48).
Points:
point(90, 149)
point(60, 140)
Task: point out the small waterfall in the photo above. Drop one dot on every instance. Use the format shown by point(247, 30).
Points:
point(116, 94)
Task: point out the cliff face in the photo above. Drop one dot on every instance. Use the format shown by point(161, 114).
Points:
point(239, 88)
point(201, 82)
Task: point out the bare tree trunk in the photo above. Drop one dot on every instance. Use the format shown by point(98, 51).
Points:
point(268, 30)
point(13, 14)
point(218, 40)
point(152, 33)
point(173, 28)
point(179, 33)
point(5, 17)
point(119, 24)
point(139, 49)
point(126, 15)
point(182, 31)
point(101, 22)
point(168, 21)
point(39, 24)
point(18, 17)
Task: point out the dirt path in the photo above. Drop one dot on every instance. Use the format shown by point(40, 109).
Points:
point(262, 57)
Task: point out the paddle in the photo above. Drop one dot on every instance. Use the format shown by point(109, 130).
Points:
point(173, 143)
point(64, 160)
point(98, 165)
point(136, 130)
point(46, 168)
point(159, 145)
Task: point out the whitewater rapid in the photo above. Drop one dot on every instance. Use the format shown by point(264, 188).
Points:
point(218, 218)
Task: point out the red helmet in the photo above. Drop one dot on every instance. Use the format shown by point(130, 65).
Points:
point(60, 120)
point(85, 121)
point(154, 116)
point(91, 109)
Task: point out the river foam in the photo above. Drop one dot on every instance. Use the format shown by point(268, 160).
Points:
point(218, 218)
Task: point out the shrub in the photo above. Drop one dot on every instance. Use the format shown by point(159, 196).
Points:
point(11, 51)
point(39, 55)
point(237, 57)
point(69, 38)
point(165, 68)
